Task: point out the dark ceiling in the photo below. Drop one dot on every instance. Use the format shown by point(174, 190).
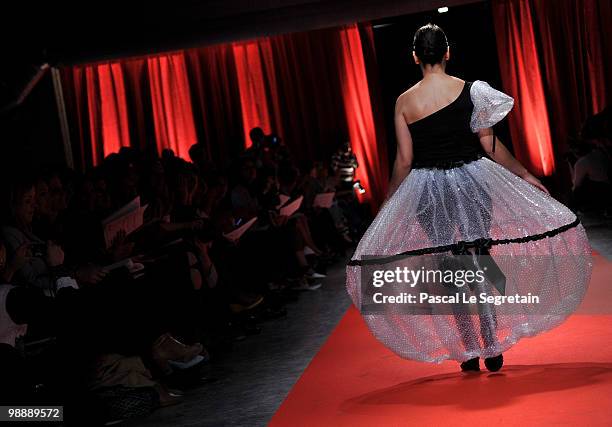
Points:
point(69, 32)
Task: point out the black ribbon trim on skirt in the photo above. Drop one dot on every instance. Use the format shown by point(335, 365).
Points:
point(481, 246)
point(447, 164)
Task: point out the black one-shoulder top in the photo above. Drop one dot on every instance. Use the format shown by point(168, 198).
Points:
point(444, 138)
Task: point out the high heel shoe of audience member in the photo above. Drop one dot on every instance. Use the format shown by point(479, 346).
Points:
point(167, 398)
point(167, 347)
point(313, 275)
point(245, 302)
point(183, 366)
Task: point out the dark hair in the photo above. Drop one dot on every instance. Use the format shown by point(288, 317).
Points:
point(430, 44)
point(196, 152)
point(257, 134)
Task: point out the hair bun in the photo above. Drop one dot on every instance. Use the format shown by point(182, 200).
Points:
point(430, 44)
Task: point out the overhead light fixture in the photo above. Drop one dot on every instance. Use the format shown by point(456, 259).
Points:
point(442, 9)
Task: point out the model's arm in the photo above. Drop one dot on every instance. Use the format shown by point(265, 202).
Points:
point(578, 174)
point(403, 157)
point(505, 158)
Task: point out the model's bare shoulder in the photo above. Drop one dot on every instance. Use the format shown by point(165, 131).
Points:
point(405, 100)
point(457, 80)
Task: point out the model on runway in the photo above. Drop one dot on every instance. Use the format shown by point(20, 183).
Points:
point(457, 190)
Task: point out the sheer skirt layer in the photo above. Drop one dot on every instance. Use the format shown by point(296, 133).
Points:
point(536, 241)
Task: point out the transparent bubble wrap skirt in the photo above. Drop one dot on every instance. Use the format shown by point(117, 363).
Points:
point(437, 208)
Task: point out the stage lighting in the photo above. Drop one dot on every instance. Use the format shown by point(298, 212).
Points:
point(442, 9)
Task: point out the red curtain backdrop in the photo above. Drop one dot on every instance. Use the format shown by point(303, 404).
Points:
point(309, 92)
point(171, 100)
point(313, 89)
point(216, 100)
point(93, 108)
point(373, 172)
point(139, 104)
point(371, 63)
point(98, 103)
point(258, 88)
point(156, 102)
point(555, 61)
point(577, 62)
point(522, 77)
point(113, 108)
point(73, 85)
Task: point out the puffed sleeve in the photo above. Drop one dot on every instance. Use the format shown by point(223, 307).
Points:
point(490, 105)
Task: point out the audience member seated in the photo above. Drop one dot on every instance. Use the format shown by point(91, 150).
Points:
point(116, 327)
point(591, 171)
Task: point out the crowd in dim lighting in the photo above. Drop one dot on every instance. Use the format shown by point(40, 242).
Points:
point(117, 328)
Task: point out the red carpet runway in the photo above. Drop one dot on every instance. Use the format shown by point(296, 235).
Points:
point(562, 377)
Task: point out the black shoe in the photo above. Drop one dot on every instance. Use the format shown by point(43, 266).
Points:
point(471, 365)
point(494, 364)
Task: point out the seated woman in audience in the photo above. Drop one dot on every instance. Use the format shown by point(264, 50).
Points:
point(41, 266)
point(288, 185)
point(45, 259)
point(591, 184)
point(51, 202)
point(276, 236)
point(320, 219)
point(19, 305)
